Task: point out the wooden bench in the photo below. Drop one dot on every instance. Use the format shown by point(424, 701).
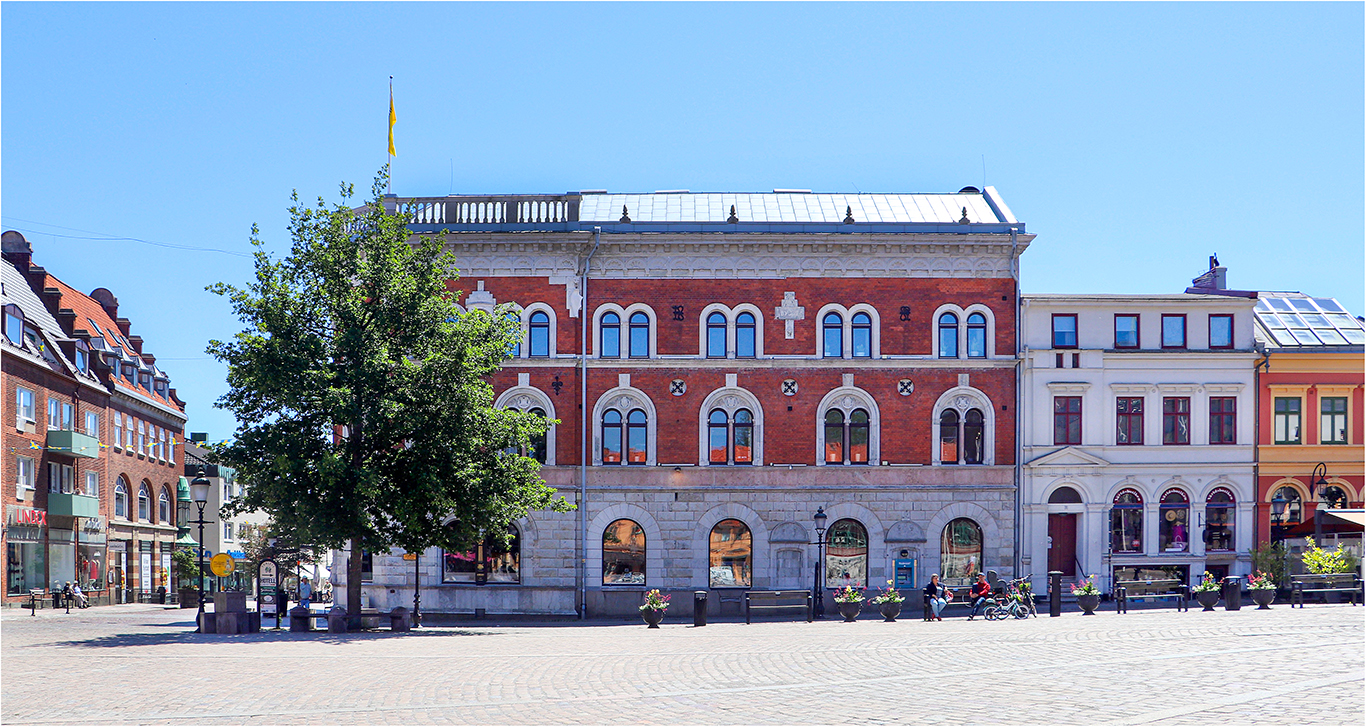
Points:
point(1155, 590)
point(1324, 583)
point(779, 601)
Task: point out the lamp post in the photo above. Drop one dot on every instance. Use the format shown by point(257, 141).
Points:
point(817, 593)
point(1319, 479)
point(199, 493)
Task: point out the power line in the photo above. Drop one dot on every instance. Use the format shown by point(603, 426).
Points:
point(106, 237)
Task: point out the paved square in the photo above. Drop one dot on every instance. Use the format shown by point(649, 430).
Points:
point(140, 664)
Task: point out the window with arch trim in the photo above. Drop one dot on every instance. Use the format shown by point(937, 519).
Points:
point(144, 503)
point(948, 336)
point(745, 336)
point(832, 334)
point(862, 335)
point(640, 335)
point(730, 440)
point(1126, 522)
point(730, 555)
point(633, 432)
point(960, 551)
point(121, 498)
point(846, 554)
point(977, 336)
point(623, 554)
point(537, 450)
point(716, 335)
point(538, 335)
point(1220, 515)
point(948, 437)
point(164, 507)
point(1294, 506)
point(846, 440)
point(609, 336)
point(1333, 497)
point(1173, 526)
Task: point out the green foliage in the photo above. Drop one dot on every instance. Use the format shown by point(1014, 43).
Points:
point(1270, 559)
point(360, 390)
point(186, 569)
point(1318, 560)
point(1207, 584)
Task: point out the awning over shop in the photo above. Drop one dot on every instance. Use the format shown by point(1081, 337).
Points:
point(1355, 517)
point(1334, 522)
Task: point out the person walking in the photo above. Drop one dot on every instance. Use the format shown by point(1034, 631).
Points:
point(937, 596)
point(66, 594)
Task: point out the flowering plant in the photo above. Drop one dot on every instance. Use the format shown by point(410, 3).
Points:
point(888, 595)
point(1260, 581)
point(655, 601)
point(1206, 584)
point(1086, 587)
point(848, 595)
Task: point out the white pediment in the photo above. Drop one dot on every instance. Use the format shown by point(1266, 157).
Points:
point(1068, 457)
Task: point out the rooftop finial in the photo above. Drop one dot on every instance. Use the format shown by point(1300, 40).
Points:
point(732, 219)
point(848, 215)
point(964, 219)
point(625, 217)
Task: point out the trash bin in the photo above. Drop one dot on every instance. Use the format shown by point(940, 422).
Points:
point(400, 619)
point(336, 620)
point(301, 620)
point(1233, 593)
point(699, 608)
point(161, 594)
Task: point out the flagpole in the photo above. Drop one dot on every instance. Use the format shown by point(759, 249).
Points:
point(390, 175)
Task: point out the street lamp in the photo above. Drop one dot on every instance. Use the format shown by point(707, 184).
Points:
point(1317, 480)
point(817, 593)
point(199, 493)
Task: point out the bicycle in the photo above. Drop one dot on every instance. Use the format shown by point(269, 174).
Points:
point(1017, 602)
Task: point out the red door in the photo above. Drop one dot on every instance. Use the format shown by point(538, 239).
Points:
point(1062, 549)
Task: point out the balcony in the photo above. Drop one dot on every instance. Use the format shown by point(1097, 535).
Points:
point(60, 503)
point(76, 444)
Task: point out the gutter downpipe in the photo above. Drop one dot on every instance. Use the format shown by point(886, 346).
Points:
point(1257, 448)
point(1019, 397)
point(583, 427)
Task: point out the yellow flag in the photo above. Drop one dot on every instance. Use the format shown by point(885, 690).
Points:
point(392, 119)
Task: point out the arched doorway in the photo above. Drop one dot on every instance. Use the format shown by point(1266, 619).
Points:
point(1062, 533)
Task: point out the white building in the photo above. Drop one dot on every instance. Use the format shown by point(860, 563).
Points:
point(1138, 436)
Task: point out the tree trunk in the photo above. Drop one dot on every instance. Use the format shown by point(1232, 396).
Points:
point(353, 588)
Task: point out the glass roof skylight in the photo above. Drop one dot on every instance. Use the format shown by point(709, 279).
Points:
point(1293, 320)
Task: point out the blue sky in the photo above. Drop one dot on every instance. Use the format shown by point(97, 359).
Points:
point(1133, 139)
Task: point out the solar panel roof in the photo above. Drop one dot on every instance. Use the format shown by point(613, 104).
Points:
point(1295, 320)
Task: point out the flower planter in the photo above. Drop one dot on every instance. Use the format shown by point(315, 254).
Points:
point(889, 610)
point(1263, 598)
point(653, 616)
point(849, 610)
point(1088, 603)
point(189, 598)
point(1207, 599)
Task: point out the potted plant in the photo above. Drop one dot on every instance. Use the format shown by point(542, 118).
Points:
point(187, 574)
point(888, 602)
point(653, 608)
point(849, 601)
point(1263, 590)
point(1207, 591)
point(1088, 596)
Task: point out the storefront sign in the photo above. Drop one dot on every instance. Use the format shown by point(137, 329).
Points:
point(222, 565)
point(145, 575)
point(25, 523)
point(92, 530)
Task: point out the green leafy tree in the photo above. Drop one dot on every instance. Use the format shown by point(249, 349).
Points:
point(186, 569)
point(1271, 559)
point(1318, 560)
point(365, 417)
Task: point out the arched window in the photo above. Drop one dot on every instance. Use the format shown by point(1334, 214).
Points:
point(846, 555)
point(1332, 497)
point(948, 336)
point(623, 554)
point(515, 350)
point(960, 551)
point(977, 336)
point(501, 563)
point(611, 437)
point(144, 503)
point(717, 436)
point(609, 334)
point(1294, 506)
point(948, 437)
point(164, 508)
point(745, 346)
point(640, 335)
point(635, 437)
point(744, 437)
point(973, 437)
point(858, 437)
point(862, 333)
point(538, 441)
point(1126, 522)
point(1173, 529)
point(833, 337)
point(731, 551)
point(1064, 496)
point(121, 499)
point(539, 334)
point(1220, 511)
point(716, 335)
point(834, 437)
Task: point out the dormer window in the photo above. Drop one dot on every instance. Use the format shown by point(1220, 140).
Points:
point(128, 373)
point(82, 357)
point(14, 324)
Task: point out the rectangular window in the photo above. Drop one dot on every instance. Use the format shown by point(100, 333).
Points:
point(26, 477)
point(92, 424)
point(142, 437)
point(1174, 330)
point(227, 531)
point(54, 414)
point(1129, 414)
point(1067, 420)
point(1176, 420)
point(1064, 330)
point(170, 449)
point(1223, 420)
point(128, 434)
point(23, 399)
point(92, 484)
point(1058, 360)
point(118, 430)
point(161, 444)
point(59, 477)
point(1221, 331)
point(1287, 420)
point(1334, 421)
point(1126, 330)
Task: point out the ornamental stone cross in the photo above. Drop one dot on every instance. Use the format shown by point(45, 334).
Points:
point(788, 312)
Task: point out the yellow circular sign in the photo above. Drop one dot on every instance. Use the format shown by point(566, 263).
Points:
point(222, 565)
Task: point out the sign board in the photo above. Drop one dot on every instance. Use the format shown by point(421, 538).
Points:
point(222, 565)
point(145, 572)
point(268, 579)
point(410, 556)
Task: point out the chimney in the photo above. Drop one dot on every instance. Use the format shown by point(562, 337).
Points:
point(136, 341)
point(124, 325)
point(66, 318)
point(52, 299)
point(1216, 278)
point(16, 249)
point(107, 301)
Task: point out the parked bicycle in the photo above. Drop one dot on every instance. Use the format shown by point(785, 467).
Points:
point(1018, 602)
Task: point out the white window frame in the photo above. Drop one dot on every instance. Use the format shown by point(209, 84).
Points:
point(732, 330)
point(730, 399)
point(118, 430)
point(964, 399)
point(847, 399)
point(25, 474)
point(525, 317)
point(963, 314)
point(624, 398)
point(142, 438)
point(60, 478)
point(847, 323)
point(525, 397)
point(92, 483)
point(625, 341)
point(92, 417)
point(24, 410)
point(161, 444)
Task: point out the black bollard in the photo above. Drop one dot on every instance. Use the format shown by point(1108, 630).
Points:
point(699, 608)
point(1054, 593)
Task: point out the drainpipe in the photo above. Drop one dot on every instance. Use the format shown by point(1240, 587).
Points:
point(1019, 397)
point(1257, 447)
point(583, 426)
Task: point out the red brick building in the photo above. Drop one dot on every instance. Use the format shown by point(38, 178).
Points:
point(92, 433)
point(723, 365)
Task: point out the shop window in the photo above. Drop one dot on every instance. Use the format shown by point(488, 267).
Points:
point(746, 336)
point(1176, 420)
point(1126, 523)
point(1221, 331)
point(1129, 420)
point(538, 334)
point(948, 336)
point(1334, 422)
point(623, 554)
point(1287, 420)
point(1173, 528)
point(716, 335)
point(833, 336)
point(489, 561)
point(609, 336)
point(1064, 330)
point(731, 551)
point(862, 334)
point(1174, 330)
point(640, 335)
point(977, 336)
point(1126, 330)
point(25, 566)
point(948, 437)
point(1332, 497)
point(846, 555)
point(960, 552)
point(121, 499)
point(1223, 420)
point(1220, 516)
point(1066, 420)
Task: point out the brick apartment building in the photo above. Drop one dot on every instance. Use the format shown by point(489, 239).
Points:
point(92, 430)
point(723, 365)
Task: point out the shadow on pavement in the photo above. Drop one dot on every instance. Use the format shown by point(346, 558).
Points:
point(187, 636)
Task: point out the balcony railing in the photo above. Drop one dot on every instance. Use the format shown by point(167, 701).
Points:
point(76, 444)
point(61, 503)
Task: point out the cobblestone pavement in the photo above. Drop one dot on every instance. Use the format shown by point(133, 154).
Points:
point(141, 664)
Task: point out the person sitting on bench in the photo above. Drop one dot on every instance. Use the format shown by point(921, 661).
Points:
point(937, 596)
point(979, 593)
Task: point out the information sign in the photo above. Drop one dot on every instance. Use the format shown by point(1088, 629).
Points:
point(222, 565)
